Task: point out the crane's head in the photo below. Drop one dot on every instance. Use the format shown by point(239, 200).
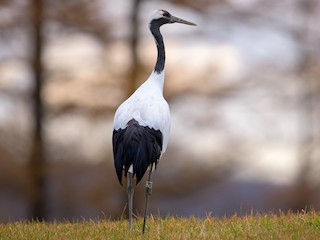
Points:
point(162, 17)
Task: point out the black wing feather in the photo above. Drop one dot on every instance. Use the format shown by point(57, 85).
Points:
point(137, 145)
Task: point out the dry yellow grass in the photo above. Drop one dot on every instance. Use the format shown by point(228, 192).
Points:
point(304, 225)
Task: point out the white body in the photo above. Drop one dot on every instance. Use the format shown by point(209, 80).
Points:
point(148, 107)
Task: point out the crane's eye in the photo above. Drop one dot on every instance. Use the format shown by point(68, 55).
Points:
point(166, 14)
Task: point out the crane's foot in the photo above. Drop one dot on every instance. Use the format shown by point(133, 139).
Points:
point(148, 194)
point(130, 192)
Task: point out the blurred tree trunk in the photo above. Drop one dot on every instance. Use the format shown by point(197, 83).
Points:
point(37, 161)
point(133, 43)
point(306, 104)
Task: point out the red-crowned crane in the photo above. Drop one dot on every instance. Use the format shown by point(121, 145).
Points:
point(142, 122)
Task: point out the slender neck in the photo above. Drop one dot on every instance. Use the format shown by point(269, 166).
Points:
point(155, 30)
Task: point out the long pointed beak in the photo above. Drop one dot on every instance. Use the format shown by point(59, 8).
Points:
point(179, 20)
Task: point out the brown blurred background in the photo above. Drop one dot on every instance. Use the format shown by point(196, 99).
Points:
point(243, 87)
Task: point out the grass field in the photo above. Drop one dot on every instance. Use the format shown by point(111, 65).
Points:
point(270, 226)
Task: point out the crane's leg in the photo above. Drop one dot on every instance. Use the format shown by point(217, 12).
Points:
point(148, 194)
point(130, 192)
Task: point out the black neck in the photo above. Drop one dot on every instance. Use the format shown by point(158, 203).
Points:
point(155, 30)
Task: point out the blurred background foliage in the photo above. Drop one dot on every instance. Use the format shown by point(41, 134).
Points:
point(243, 87)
